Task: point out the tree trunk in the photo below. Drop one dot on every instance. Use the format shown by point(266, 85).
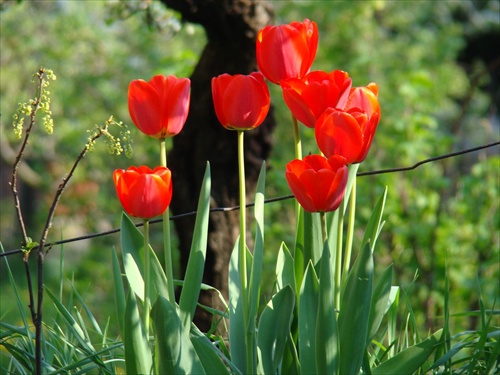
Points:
point(231, 27)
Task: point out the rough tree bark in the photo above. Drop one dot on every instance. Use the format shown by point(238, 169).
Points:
point(231, 27)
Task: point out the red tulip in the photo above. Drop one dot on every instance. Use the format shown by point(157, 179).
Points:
point(318, 183)
point(143, 192)
point(159, 108)
point(350, 132)
point(287, 51)
point(241, 101)
point(310, 96)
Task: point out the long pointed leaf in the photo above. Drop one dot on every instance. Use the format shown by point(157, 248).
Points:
point(375, 222)
point(210, 356)
point(409, 360)
point(132, 242)
point(380, 302)
point(354, 313)
point(196, 263)
point(327, 342)
point(258, 252)
point(274, 329)
point(138, 359)
point(175, 353)
point(236, 318)
point(308, 306)
point(119, 291)
point(285, 268)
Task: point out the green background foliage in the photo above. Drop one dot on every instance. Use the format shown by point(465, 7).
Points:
point(441, 219)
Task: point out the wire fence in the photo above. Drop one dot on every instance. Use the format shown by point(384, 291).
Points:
point(271, 200)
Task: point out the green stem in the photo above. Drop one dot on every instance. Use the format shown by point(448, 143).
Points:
point(296, 138)
point(147, 302)
point(350, 229)
point(167, 249)
point(338, 256)
point(242, 259)
point(322, 216)
point(298, 155)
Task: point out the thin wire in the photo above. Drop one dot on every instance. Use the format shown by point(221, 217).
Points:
point(271, 200)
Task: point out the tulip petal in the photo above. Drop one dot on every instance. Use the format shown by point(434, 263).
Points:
point(338, 133)
point(144, 107)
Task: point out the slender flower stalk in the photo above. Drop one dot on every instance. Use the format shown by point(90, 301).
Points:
point(324, 231)
point(350, 227)
point(242, 254)
point(298, 155)
point(338, 256)
point(166, 233)
point(147, 282)
point(296, 138)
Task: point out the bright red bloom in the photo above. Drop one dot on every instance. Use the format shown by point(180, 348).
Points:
point(143, 192)
point(318, 183)
point(241, 101)
point(287, 51)
point(310, 96)
point(350, 132)
point(159, 108)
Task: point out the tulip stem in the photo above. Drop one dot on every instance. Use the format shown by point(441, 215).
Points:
point(147, 302)
point(166, 233)
point(324, 234)
point(242, 259)
point(338, 256)
point(350, 228)
point(296, 138)
point(298, 155)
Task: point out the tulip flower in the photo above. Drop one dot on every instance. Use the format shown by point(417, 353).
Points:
point(159, 108)
point(350, 132)
point(241, 101)
point(318, 183)
point(143, 192)
point(309, 97)
point(287, 51)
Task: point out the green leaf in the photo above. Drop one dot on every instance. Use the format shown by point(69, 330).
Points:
point(327, 342)
point(196, 263)
point(298, 253)
point(119, 291)
point(308, 307)
point(380, 302)
point(409, 360)
point(274, 330)
point(175, 353)
point(375, 223)
point(354, 313)
point(72, 324)
point(210, 356)
point(236, 318)
point(285, 268)
point(132, 242)
point(258, 252)
point(353, 170)
point(138, 358)
point(313, 239)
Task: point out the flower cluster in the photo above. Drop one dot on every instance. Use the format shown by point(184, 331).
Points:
point(344, 118)
point(159, 109)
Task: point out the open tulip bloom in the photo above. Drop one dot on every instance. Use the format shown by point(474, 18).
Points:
point(287, 51)
point(143, 192)
point(318, 183)
point(309, 97)
point(349, 132)
point(159, 108)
